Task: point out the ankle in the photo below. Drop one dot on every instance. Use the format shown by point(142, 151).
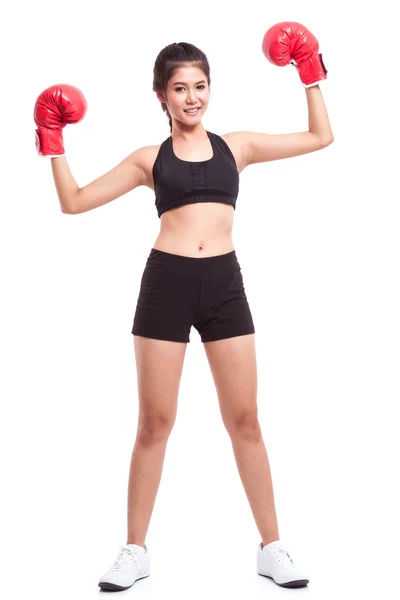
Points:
point(136, 541)
point(268, 541)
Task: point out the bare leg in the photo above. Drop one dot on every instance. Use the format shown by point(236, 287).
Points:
point(144, 479)
point(159, 366)
point(253, 465)
point(233, 366)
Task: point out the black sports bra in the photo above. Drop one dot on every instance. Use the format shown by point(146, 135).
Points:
point(178, 182)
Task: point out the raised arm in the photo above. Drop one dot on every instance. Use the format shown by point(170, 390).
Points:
point(57, 106)
point(263, 147)
point(124, 177)
point(283, 44)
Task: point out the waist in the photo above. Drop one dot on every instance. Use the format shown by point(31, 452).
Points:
point(197, 230)
point(190, 264)
point(193, 247)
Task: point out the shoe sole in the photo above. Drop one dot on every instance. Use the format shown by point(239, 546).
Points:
point(290, 584)
point(113, 587)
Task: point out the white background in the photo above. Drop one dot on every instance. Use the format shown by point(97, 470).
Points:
point(317, 240)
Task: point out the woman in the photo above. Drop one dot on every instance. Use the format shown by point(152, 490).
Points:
point(192, 277)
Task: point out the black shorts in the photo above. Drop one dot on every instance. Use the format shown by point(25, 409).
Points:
point(177, 292)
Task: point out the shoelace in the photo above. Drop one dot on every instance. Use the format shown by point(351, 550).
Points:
point(124, 559)
point(282, 556)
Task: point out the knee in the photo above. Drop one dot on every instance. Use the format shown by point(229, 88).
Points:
point(245, 426)
point(153, 428)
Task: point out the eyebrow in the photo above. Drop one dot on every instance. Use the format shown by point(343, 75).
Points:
point(184, 83)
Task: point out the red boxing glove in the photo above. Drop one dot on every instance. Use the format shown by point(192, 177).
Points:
point(290, 42)
point(54, 108)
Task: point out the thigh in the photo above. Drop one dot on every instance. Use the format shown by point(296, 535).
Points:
point(164, 309)
point(159, 365)
point(224, 309)
point(234, 369)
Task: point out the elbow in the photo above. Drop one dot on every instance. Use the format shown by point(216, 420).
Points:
point(69, 204)
point(70, 207)
point(327, 141)
point(66, 211)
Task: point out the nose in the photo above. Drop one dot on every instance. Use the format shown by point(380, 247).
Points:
point(192, 97)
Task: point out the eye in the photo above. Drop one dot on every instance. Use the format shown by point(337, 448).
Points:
point(181, 88)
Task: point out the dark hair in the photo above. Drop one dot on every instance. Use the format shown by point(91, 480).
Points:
point(171, 58)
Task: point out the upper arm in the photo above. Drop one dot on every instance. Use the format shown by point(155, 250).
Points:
point(263, 147)
point(124, 177)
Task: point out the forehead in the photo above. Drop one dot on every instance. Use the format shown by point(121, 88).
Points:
point(188, 74)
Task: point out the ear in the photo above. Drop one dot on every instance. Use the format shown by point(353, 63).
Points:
point(160, 96)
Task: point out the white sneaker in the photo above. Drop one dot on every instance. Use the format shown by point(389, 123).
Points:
point(131, 564)
point(274, 561)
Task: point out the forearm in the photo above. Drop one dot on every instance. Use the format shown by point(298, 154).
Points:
point(66, 186)
point(318, 120)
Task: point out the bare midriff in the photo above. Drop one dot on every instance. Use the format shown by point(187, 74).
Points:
point(197, 230)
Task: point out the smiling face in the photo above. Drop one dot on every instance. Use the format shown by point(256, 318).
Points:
point(188, 88)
